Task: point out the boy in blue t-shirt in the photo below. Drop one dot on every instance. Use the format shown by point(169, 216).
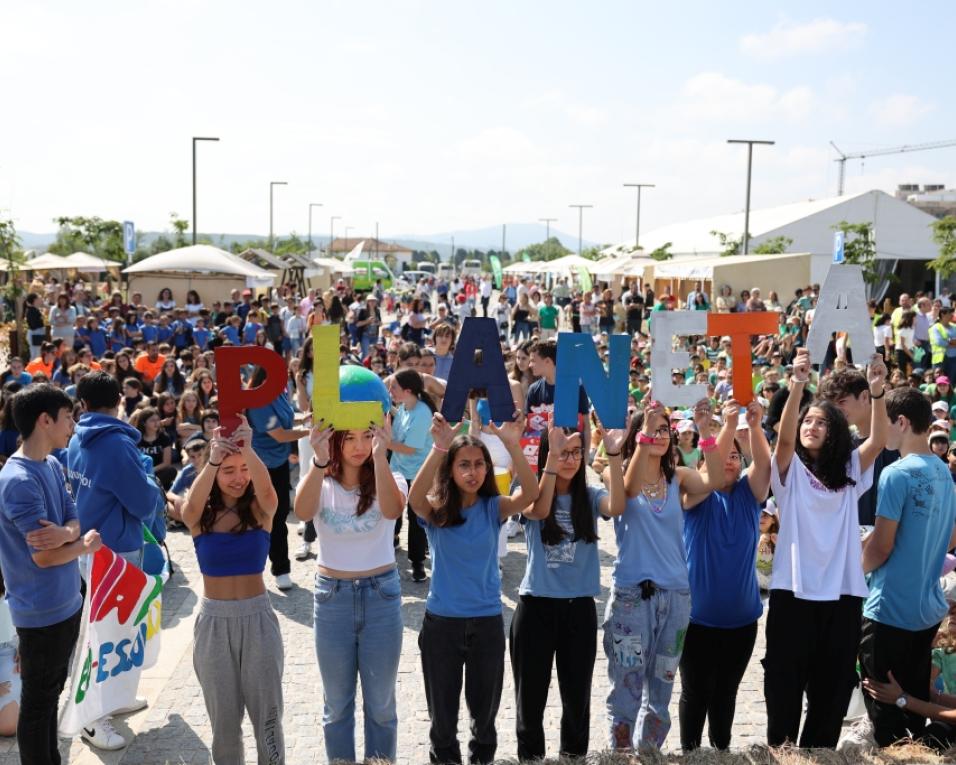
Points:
point(39, 544)
point(903, 557)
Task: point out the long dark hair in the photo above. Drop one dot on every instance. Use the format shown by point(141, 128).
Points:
point(214, 505)
point(830, 465)
point(668, 461)
point(411, 380)
point(336, 470)
point(164, 381)
point(582, 520)
point(446, 492)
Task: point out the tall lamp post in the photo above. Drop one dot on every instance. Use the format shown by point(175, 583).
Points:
point(196, 138)
point(332, 220)
point(311, 205)
point(637, 226)
point(547, 226)
point(272, 185)
point(347, 229)
point(750, 156)
point(581, 209)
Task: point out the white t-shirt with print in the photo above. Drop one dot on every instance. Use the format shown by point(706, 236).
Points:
point(350, 542)
point(818, 555)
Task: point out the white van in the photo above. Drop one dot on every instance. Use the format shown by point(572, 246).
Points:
point(471, 268)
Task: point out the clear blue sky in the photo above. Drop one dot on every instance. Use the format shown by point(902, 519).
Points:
point(431, 116)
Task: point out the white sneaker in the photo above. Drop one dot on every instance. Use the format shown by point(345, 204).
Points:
point(300, 529)
point(304, 550)
point(139, 703)
point(859, 737)
point(103, 735)
point(284, 582)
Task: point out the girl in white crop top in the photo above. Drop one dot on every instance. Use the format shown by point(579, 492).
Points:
point(353, 498)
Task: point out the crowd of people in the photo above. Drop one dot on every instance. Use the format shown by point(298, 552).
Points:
point(828, 500)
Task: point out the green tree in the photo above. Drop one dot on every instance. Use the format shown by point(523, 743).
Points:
point(12, 257)
point(103, 238)
point(179, 229)
point(730, 245)
point(552, 249)
point(859, 249)
point(944, 234)
point(774, 246)
point(663, 252)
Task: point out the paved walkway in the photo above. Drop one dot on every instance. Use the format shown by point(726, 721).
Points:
point(175, 728)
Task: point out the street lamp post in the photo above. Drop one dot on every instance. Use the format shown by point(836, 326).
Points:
point(581, 209)
point(347, 229)
point(637, 226)
point(311, 205)
point(547, 226)
point(196, 138)
point(750, 155)
point(332, 220)
point(272, 185)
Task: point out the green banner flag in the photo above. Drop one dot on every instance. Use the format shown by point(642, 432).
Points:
point(585, 278)
point(526, 258)
point(496, 271)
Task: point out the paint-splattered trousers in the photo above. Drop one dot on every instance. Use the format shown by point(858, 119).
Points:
point(238, 658)
point(643, 640)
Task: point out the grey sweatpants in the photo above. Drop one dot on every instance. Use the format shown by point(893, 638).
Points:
point(238, 658)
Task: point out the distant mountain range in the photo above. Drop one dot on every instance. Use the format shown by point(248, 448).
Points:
point(517, 236)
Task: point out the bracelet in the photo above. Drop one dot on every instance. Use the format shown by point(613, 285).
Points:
point(214, 464)
point(707, 444)
point(798, 380)
point(439, 449)
point(550, 472)
point(876, 398)
point(643, 438)
point(320, 467)
point(612, 454)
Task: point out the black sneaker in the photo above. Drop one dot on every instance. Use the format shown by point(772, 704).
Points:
point(418, 572)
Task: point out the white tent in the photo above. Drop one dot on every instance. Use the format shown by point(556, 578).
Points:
point(567, 264)
point(86, 263)
point(626, 266)
point(45, 262)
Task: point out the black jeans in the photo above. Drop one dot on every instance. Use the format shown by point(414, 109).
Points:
point(711, 668)
point(44, 664)
point(544, 630)
point(279, 538)
point(417, 541)
point(477, 646)
point(908, 655)
point(811, 647)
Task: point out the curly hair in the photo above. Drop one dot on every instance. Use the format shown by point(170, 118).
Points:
point(582, 519)
point(366, 471)
point(446, 493)
point(829, 466)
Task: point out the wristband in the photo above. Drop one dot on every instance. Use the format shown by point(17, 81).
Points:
point(643, 438)
point(439, 449)
point(550, 472)
point(804, 381)
point(320, 467)
point(612, 454)
point(875, 398)
point(214, 464)
point(707, 444)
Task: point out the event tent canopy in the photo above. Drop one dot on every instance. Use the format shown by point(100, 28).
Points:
point(46, 262)
point(202, 259)
point(83, 261)
point(626, 266)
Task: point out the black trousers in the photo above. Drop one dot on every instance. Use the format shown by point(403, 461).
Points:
point(477, 646)
point(545, 630)
point(279, 538)
point(711, 668)
point(811, 647)
point(484, 306)
point(417, 541)
point(44, 664)
point(908, 656)
point(634, 326)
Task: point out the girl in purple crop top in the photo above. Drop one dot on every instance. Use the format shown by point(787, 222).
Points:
point(237, 648)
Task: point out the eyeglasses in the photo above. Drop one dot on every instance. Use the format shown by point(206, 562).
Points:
point(662, 432)
point(471, 467)
point(571, 456)
point(195, 451)
point(734, 457)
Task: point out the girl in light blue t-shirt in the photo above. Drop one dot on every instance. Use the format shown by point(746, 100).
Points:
point(456, 499)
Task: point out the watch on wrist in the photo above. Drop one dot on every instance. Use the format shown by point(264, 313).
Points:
point(901, 701)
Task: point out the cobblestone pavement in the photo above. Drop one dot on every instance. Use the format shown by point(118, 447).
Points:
point(175, 728)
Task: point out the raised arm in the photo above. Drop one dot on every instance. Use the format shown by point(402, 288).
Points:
point(789, 427)
point(654, 427)
point(391, 501)
point(527, 492)
point(694, 481)
point(219, 449)
point(558, 441)
point(879, 425)
point(266, 497)
point(758, 474)
point(614, 503)
point(442, 436)
point(715, 454)
point(309, 490)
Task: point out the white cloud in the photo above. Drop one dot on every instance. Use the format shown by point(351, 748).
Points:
point(788, 38)
point(900, 110)
point(712, 96)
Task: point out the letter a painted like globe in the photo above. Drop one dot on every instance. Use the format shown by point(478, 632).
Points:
point(360, 384)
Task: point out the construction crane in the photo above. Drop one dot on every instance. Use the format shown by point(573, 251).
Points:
point(881, 152)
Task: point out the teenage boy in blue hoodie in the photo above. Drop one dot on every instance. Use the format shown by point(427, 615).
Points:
point(113, 490)
point(39, 544)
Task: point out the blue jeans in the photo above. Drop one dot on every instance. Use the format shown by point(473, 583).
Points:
point(643, 640)
point(358, 632)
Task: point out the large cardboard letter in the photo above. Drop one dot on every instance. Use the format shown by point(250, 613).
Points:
point(664, 358)
point(841, 307)
point(327, 403)
point(233, 398)
point(466, 375)
point(578, 364)
point(741, 327)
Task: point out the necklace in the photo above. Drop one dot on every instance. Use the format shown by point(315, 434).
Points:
point(656, 491)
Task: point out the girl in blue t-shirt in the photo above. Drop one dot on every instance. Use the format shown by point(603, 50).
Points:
point(456, 498)
point(555, 619)
point(721, 533)
point(647, 614)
